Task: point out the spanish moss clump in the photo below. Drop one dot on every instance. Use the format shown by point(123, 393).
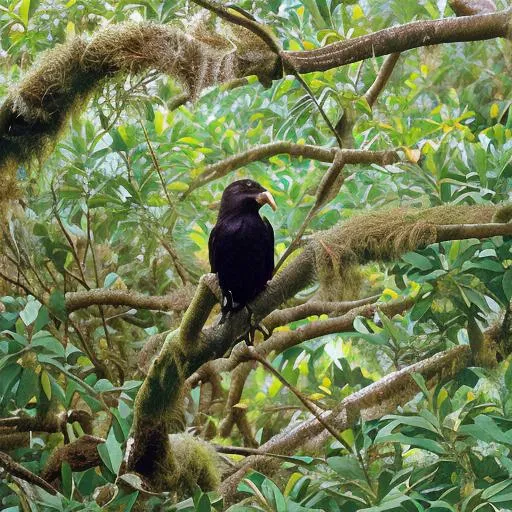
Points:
point(382, 236)
point(33, 116)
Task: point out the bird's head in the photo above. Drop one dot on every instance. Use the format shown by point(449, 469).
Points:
point(245, 196)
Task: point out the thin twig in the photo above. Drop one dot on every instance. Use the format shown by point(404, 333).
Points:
point(68, 237)
point(19, 471)
point(381, 79)
point(253, 354)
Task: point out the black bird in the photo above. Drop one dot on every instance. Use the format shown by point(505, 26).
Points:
point(241, 246)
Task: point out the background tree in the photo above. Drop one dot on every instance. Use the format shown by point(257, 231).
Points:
point(385, 384)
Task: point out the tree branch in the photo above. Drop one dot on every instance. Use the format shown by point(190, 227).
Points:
point(350, 156)
point(282, 340)
point(401, 38)
point(178, 300)
point(464, 231)
point(382, 79)
point(18, 471)
point(81, 454)
point(313, 308)
point(371, 402)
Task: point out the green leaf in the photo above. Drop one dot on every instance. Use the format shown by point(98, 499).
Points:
point(421, 307)
point(202, 503)
point(273, 495)
point(28, 386)
point(42, 320)
point(111, 453)
point(417, 260)
point(9, 375)
point(395, 331)
point(177, 186)
point(48, 345)
point(46, 384)
point(24, 11)
point(495, 489)
point(57, 305)
point(374, 339)
point(416, 442)
point(420, 381)
point(412, 421)
point(507, 284)
point(347, 467)
point(67, 479)
point(485, 429)
point(255, 477)
point(30, 311)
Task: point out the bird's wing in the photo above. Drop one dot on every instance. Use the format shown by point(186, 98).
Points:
point(211, 250)
point(269, 249)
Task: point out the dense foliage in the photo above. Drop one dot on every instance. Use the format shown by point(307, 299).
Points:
point(119, 196)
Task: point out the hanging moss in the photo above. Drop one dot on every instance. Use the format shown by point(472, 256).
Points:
point(382, 236)
point(34, 115)
point(199, 465)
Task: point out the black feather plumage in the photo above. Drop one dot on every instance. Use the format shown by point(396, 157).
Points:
point(241, 245)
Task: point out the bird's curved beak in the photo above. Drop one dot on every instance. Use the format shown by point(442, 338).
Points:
point(266, 198)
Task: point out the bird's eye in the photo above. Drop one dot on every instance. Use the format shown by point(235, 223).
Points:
point(248, 183)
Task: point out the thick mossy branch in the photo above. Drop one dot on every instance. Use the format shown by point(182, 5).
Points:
point(35, 113)
point(385, 235)
point(158, 408)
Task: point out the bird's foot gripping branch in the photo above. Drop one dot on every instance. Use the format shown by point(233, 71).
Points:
point(158, 412)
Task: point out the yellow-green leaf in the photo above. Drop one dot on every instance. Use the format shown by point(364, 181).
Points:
point(24, 11)
point(46, 384)
point(177, 186)
point(357, 13)
point(70, 29)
